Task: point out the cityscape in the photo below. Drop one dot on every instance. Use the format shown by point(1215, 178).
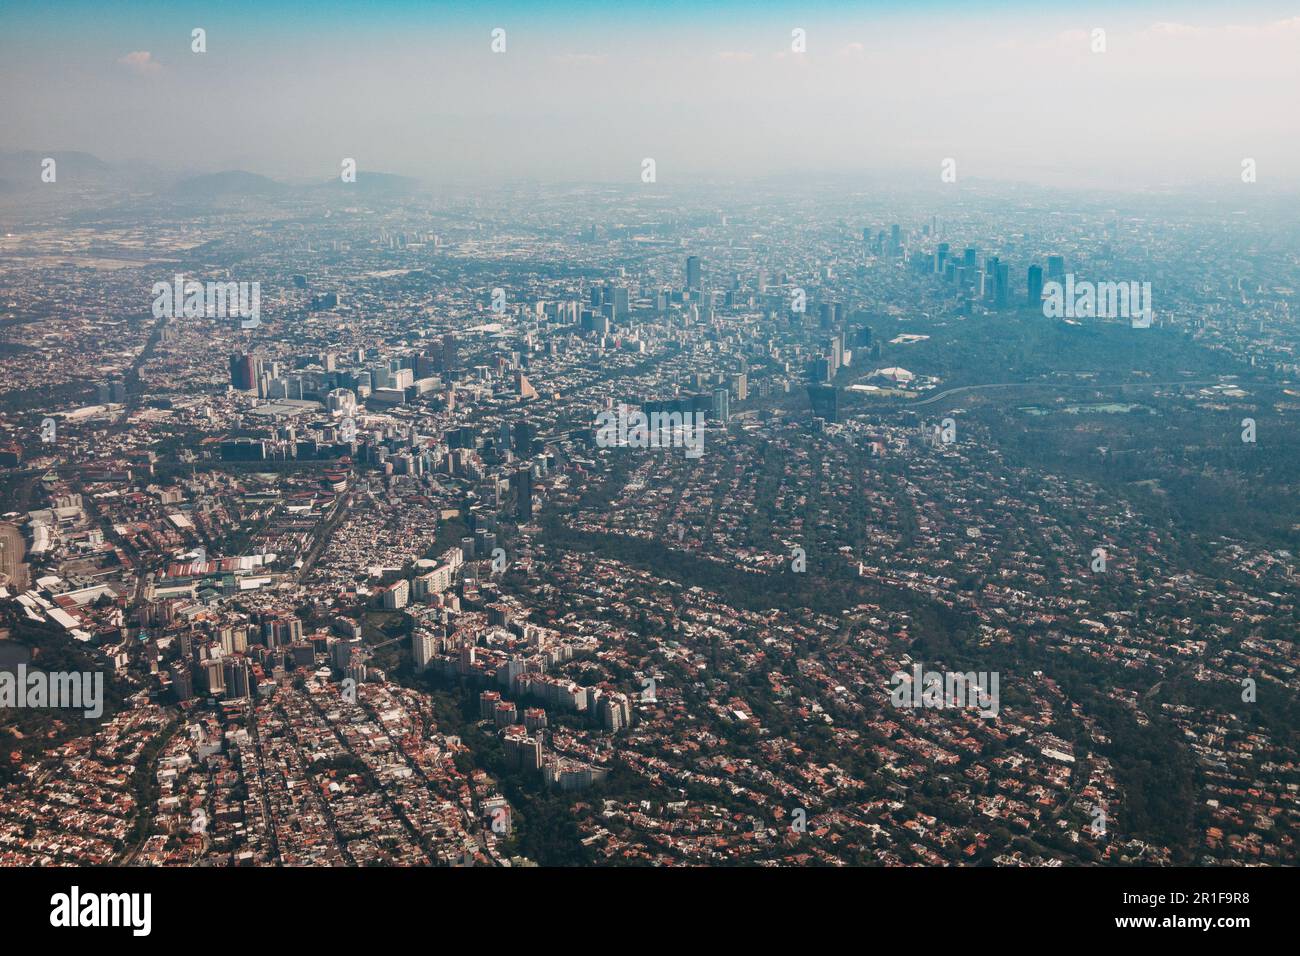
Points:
point(792, 519)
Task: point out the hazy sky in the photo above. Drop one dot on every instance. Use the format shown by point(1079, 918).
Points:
point(586, 90)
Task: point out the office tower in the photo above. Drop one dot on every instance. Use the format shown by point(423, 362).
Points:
point(721, 405)
point(895, 239)
point(693, 273)
point(969, 258)
point(1056, 268)
point(523, 482)
point(523, 388)
point(238, 678)
point(525, 433)
point(447, 353)
point(243, 372)
point(1034, 297)
point(616, 297)
point(940, 257)
point(214, 676)
point(1002, 285)
point(182, 680)
point(990, 279)
point(825, 401)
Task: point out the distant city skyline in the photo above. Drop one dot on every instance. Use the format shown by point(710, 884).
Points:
point(584, 93)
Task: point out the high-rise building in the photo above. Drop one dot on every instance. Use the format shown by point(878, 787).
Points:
point(1002, 285)
point(617, 298)
point(721, 405)
point(397, 596)
point(825, 401)
point(740, 385)
point(238, 677)
point(182, 680)
point(424, 645)
point(1035, 295)
point(524, 433)
point(693, 273)
point(1056, 268)
point(523, 482)
point(445, 353)
point(244, 372)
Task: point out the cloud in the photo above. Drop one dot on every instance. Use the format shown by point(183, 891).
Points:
point(140, 61)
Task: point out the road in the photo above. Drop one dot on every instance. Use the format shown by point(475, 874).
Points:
point(1089, 387)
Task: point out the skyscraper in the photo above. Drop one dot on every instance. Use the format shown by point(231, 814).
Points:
point(1002, 285)
point(825, 401)
point(693, 272)
point(243, 372)
point(523, 482)
point(620, 301)
point(1035, 294)
point(525, 432)
point(722, 404)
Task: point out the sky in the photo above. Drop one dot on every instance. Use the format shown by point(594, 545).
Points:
point(586, 91)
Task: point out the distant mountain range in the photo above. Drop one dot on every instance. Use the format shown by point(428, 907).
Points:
point(235, 182)
point(20, 173)
point(24, 168)
point(373, 184)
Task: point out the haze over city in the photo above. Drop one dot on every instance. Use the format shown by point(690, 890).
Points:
point(1013, 90)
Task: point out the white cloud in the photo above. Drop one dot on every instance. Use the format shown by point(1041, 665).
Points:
point(140, 61)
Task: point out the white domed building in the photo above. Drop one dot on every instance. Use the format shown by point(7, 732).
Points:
point(898, 376)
